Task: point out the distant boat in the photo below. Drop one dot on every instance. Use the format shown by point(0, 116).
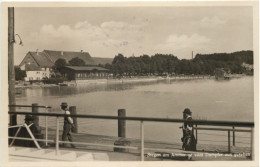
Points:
point(222, 74)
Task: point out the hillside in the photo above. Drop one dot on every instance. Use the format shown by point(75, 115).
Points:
point(235, 57)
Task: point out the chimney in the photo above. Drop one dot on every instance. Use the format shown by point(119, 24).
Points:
point(37, 52)
point(81, 51)
point(61, 53)
point(192, 55)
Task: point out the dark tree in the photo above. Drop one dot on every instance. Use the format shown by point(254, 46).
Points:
point(77, 62)
point(19, 74)
point(59, 64)
point(160, 64)
point(119, 65)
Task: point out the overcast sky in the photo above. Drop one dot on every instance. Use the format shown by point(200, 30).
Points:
point(105, 32)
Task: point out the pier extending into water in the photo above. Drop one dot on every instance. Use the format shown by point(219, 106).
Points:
point(53, 135)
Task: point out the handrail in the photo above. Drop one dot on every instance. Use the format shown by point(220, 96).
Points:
point(30, 106)
point(222, 129)
point(198, 122)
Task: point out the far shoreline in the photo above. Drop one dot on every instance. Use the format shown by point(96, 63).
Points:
point(122, 80)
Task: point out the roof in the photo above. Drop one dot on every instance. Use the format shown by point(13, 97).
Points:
point(32, 67)
point(85, 68)
point(42, 59)
point(67, 55)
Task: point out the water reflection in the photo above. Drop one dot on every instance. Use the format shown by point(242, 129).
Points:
point(70, 90)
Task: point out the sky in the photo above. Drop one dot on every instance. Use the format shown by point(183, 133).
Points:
point(134, 31)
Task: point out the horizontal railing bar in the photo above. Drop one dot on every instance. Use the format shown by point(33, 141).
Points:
point(198, 122)
point(15, 126)
point(81, 143)
point(29, 106)
point(221, 129)
point(24, 138)
point(102, 145)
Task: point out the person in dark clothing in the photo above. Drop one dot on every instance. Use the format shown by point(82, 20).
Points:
point(68, 125)
point(188, 139)
point(36, 132)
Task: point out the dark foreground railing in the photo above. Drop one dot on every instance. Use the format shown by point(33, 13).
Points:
point(229, 124)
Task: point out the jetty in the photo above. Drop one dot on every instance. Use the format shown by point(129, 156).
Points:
point(91, 147)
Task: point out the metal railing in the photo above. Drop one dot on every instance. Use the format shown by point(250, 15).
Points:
point(142, 120)
point(46, 118)
point(29, 106)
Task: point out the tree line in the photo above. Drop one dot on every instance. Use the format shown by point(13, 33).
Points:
point(168, 64)
point(164, 64)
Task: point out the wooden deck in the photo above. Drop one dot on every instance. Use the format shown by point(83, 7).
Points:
point(204, 152)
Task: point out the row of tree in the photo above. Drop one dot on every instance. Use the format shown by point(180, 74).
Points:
point(162, 64)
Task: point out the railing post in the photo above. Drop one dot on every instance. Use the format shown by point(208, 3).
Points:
point(196, 133)
point(121, 123)
point(228, 141)
point(142, 140)
point(35, 109)
point(252, 143)
point(46, 127)
point(234, 138)
point(57, 135)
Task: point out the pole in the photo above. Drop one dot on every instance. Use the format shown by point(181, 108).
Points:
point(252, 143)
point(35, 109)
point(142, 140)
point(11, 71)
point(57, 136)
point(229, 141)
point(196, 133)
point(46, 128)
point(73, 111)
point(121, 123)
point(234, 138)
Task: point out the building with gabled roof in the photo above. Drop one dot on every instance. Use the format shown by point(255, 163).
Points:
point(37, 66)
point(40, 59)
point(41, 63)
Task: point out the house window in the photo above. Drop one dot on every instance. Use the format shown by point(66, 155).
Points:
point(30, 78)
point(37, 72)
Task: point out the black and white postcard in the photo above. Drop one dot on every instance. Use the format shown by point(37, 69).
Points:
point(130, 83)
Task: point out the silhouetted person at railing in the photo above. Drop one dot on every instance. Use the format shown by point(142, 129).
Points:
point(68, 124)
point(36, 132)
point(188, 139)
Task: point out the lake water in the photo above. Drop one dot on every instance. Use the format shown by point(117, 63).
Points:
point(208, 99)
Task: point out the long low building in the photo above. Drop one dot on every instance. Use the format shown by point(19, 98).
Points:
point(84, 72)
point(38, 65)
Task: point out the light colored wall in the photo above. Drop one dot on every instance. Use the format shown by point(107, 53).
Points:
point(37, 75)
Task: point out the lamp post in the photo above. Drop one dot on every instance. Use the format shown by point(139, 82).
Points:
point(11, 71)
